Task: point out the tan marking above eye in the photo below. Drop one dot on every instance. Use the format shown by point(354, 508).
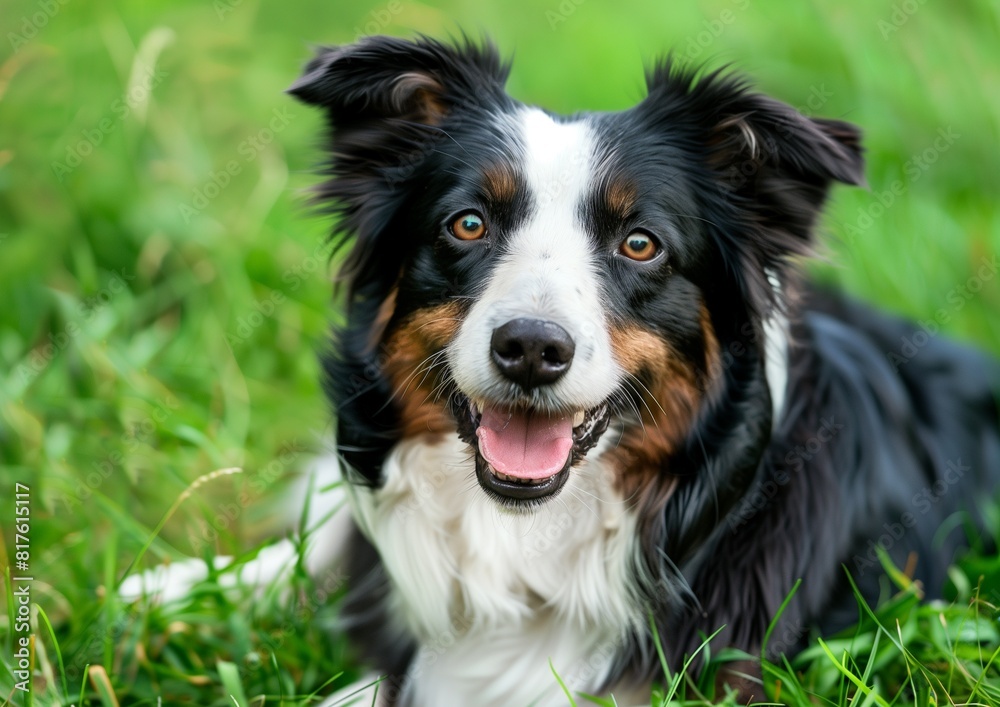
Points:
point(469, 226)
point(621, 198)
point(639, 246)
point(501, 182)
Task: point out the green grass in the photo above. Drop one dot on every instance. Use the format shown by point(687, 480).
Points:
point(156, 327)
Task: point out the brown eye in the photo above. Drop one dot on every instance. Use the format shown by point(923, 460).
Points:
point(468, 227)
point(638, 246)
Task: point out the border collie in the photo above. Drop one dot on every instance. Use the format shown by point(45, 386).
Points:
point(583, 397)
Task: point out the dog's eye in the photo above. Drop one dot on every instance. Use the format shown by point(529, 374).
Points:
point(468, 227)
point(638, 246)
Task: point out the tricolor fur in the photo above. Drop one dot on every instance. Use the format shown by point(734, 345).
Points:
point(577, 370)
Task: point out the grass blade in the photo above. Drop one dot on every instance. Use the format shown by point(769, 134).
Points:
point(230, 676)
point(659, 649)
point(777, 616)
point(569, 695)
point(185, 494)
point(687, 663)
point(99, 679)
point(55, 647)
point(851, 676)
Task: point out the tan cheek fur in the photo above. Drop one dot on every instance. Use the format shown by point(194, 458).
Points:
point(411, 366)
point(673, 394)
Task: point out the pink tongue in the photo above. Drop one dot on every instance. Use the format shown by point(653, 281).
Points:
point(524, 444)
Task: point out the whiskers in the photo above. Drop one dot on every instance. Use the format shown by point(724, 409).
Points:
point(423, 370)
point(622, 400)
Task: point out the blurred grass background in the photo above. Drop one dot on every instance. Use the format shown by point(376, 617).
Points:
point(163, 290)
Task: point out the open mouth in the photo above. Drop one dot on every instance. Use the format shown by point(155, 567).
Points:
point(524, 454)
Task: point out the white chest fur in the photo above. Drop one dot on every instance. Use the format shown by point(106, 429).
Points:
point(494, 596)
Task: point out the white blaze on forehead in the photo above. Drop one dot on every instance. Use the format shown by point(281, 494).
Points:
point(557, 157)
point(549, 263)
point(546, 269)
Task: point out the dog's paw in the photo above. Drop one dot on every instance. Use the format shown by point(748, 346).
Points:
point(169, 582)
point(328, 522)
point(174, 581)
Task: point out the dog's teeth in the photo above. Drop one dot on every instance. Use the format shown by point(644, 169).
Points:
point(517, 479)
point(578, 418)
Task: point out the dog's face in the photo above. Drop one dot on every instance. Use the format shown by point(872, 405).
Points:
point(530, 282)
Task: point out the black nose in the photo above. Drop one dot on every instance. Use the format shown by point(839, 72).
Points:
point(532, 352)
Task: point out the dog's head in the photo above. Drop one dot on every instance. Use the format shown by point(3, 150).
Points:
point(529, 281)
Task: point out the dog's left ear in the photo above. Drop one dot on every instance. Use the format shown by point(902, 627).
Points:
point(780, 160)
point(769, 166)
point(776, 167)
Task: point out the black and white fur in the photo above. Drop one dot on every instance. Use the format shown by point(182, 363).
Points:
point(779, 443)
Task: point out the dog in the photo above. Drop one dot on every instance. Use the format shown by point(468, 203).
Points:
point(583, 396)
point(585, 401)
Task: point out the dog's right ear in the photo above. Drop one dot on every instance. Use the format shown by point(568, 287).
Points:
point(384, 78)
point(386, 100)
